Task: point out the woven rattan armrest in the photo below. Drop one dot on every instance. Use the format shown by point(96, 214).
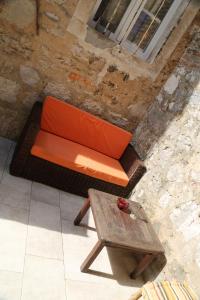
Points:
point(132, 164)
point(26, 140)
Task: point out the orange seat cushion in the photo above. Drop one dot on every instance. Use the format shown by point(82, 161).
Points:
point(71, 123)
point(78, 158)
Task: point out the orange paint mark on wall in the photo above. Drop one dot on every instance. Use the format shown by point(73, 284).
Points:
point(74, 76)
point(77, 77)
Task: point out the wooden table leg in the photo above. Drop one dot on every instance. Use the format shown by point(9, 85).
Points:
point(91, 257)
point(82, 212)
point(143, 264)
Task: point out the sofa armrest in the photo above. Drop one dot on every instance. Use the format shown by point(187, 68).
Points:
point(132, 164)
point(26, 140)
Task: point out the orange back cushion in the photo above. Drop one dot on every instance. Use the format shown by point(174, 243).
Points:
point(71, 123)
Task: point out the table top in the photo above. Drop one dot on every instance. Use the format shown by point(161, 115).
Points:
point(130, 230)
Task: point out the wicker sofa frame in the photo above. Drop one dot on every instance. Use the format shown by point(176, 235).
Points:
point(25, 165)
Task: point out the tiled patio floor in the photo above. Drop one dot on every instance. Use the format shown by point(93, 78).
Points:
point(41, 250)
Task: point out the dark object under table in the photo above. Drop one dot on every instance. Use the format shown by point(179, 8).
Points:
point(128, 229)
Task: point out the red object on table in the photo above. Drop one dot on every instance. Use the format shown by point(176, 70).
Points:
point(122, 203)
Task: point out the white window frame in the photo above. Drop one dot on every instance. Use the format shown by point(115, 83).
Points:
point(129, 19)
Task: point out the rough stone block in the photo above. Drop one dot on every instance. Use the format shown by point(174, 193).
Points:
point(29, 75)
point(57, 90)
point(92, 107)
point(52, 16)
point(19, 12)
point(171, 84)
point(83, 10)
point(77, 28)
point(8, 90)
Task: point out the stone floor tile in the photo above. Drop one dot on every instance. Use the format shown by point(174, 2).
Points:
point(14, 196)
point(44, 193)
point(3, 158)
point(10, 155)
point(15, 191)
point(77, 236)
point(43, 279)
point(111, 265)
point(13, 233)
point(19, 183)
point(101, 270)
point(44, 231)
point(77, 290)
point(5, 146)
point(77, 242)
point(10, 285)
point(70, 206)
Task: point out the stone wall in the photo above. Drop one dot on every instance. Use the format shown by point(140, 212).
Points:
point(170, 190)
point(73, 62)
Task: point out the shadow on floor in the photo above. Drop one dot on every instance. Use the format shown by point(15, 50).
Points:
point(16, 196)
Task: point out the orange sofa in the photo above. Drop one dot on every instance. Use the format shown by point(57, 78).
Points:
point(73, 150)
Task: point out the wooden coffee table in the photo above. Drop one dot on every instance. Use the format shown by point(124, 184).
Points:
point(115, 228)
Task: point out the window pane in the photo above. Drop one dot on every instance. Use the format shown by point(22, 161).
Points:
point(164, 9)
point(109, 14)
point(148, 22)
point(153, 5)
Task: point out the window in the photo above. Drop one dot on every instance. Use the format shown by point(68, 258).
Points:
point(141, 26)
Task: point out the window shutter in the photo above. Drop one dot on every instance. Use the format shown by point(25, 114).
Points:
point(148, 22)
point(109, 15)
